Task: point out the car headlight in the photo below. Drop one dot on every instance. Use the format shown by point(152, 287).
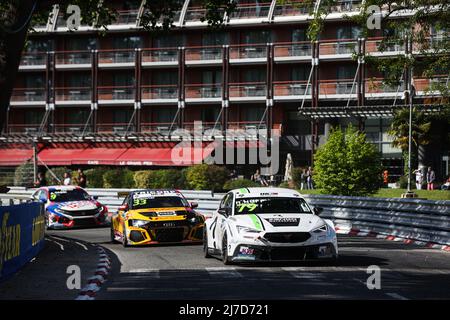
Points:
point(57, 210)
point(137, 223)
point(242, 229)
point(321, 229)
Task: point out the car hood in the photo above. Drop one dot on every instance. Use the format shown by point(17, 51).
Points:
point(278, 222)
point(71, 206)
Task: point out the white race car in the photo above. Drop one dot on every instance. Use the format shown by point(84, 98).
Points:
point(268, 224)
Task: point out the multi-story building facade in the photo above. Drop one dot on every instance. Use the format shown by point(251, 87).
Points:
point(120, 98)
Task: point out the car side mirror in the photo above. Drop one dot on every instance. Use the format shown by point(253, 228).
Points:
point(194, 205)
point(123, 207)
point(42, 199)
point(95, 197)
point(317, 210)
point(224, 211)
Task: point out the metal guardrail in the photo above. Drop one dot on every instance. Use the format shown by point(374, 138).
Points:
point(422, 220)
point(207, 200)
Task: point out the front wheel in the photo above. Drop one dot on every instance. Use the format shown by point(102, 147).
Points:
point(124, 237)
point(225, 258)
point(205, 245)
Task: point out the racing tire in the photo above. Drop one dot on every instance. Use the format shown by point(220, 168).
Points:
point(124, 237)
point(113, 238)
point(225, 258)
point(205, 245)
point(47, 223)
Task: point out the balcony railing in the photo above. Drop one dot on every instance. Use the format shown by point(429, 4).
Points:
point(163, 128)
point(116, 93)
point(196, 91)
point(73, 57)
point(246, 90)
point(291, 8)
point(346, 46)
point(346, 6)
point(342, 86)
point(204, 53)
point(33, 59)
point(250, 51)
point(378, 86)
point(28, 95)
point(195, 14)
point(127, 17)
point(298, 49)
point(118, 128)
point(73, 94)
point(373, 45)
point(291, 88)
point(29, 129)
point(159, 92)
point(251, 10)
point(249, 127)
point(116, 56)
point(429, 84)
point(160, 55)
point(72, 128)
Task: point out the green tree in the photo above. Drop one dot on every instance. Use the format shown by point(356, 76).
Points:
point(206, 177)
point(347, 164)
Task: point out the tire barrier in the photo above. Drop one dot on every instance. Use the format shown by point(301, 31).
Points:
point(22, 230)
point(414, 219)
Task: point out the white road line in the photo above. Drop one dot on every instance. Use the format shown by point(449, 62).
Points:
point(299, 273)
point(71, 241)
point(150, 273)
point(82, 245)
point(56, 242)
point(223, 272)
point(396, 296)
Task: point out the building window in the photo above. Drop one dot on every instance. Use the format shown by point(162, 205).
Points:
point(346, 72)
point(257, 37)
point(77, 117)
point(253, 114)
point(77, 80)
point(298, 35)
point(123, 80)
point(300, 73)
point(81, 44)
point(348, 32)
point(215, 38)
point(34, 81)
point(32, 117)
point(121, 116)
point(165, 115)
point(168, 41)
point(254, 75)
point(127, 42)
point(212, 77)
point(39, 45)
point(209, 114)
point(165, 78)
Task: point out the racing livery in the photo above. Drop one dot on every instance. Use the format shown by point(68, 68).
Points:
point(70, 206)
point(156, 216)
point(268, 224)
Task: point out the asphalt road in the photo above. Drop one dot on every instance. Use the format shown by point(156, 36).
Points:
point(181, 272)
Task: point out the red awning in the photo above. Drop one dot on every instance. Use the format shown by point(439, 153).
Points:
point(99, 156)
point(14, 157)
point(177, 156)
point(58, 156)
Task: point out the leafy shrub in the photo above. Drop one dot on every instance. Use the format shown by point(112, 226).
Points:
point(118, 178)
point(94, 177)
point(239, 183)
point(23, 175)
point(347, 164)
point(284, 184)
point(296, 177)
point(159, 179)
point(206, 177)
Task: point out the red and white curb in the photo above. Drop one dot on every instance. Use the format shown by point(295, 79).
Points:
point(95, 282)
point(372, 234)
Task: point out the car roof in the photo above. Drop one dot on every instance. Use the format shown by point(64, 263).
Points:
point(157, 192)
point(265, 192)
point(62, 188)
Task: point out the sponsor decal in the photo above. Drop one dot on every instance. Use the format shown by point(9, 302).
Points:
point(166, 213)
point(256, 222)
point(283, 222)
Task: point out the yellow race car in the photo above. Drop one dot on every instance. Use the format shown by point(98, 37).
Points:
point(156, 216)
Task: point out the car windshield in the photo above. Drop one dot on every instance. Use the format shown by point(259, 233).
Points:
point(69, 195)
point(271, 205)
point(158, 202)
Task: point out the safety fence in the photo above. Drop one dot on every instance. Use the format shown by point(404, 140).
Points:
point(417, 219)
point(22, 229)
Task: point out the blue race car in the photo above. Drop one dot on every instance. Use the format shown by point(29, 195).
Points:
point(70, 206)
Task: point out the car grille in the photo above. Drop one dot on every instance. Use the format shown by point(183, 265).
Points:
point(81, 213)
point(287, 253)
point(84, 222)
point(169, 234)
point(287, 237)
